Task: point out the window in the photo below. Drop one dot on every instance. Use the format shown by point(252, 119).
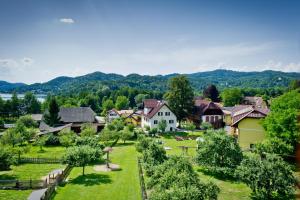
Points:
point(160, 113)
point(167, 113)
point(211, 118)
point(207, 118)
point(171, 121)
point(155, 121)
point(216, 118)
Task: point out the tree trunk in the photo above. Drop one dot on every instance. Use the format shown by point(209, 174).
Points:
point(83, 170)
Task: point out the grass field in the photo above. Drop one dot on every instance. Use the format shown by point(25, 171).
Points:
point(117, 185)
point(27, 171)
point(14, 194)
point(48, 152)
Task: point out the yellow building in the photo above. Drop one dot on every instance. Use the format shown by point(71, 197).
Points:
point(246, 125)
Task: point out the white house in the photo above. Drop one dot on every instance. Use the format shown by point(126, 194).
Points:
point(156, 111)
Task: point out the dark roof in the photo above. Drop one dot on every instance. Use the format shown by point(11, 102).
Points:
point(242, 111)
point(45, 129)
point(150, 103)
point(202, 106)
point(78, 114)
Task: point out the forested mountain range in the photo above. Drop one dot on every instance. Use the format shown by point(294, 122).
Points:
point(97, 81)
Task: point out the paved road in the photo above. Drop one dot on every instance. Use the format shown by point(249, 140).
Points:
point(36, 194)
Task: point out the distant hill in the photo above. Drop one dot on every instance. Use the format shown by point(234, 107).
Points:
point(98, 80)
point(6, 86)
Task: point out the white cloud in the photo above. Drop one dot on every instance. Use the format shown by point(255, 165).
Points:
point(27, 61)
point(67, 20)
point(8, 63)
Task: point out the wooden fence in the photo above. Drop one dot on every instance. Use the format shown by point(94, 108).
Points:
point(35, 184)
point(39, 160)
point(142, 181)
point(59, 179)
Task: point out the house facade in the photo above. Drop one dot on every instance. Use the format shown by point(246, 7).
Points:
point(246, 125)
point(207, 111)
point(156, 111)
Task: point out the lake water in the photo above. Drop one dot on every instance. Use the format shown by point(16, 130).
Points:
point(6, 96)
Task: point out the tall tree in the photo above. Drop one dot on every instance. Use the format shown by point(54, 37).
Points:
point(281, 123)
point(15, 105)
point(180, 97)
point(31, 104)
point(107, 105)
point(231, 96)
point(51, 116)
point(212, 93)
point(122, 102)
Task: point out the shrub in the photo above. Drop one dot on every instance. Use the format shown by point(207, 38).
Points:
point(52, 139)
point(7, 158)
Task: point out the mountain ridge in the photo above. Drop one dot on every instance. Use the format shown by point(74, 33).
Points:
point(99, 80)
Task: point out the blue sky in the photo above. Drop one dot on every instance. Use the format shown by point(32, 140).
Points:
point(40, 40)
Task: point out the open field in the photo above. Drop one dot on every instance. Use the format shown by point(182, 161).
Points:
point(48, 152)
point(117, 185)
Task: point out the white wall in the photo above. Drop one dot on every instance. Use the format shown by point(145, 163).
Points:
point(111, 115)
point(204, 118)
point(164, 109)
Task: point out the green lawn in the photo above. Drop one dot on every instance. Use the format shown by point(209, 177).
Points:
point(14, 194)
point(117, 185)
point(169, 141)
point(48, 152)
point(27, 171)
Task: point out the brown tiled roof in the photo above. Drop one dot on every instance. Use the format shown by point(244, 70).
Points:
point(154, 106)
point(202, 105)
point(242, 111)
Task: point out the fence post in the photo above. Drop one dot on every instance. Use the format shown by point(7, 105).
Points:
point(30, 183)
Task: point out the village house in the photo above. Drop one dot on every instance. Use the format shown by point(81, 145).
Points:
point(207, 111)
point(156, 111)
point(80, 115)
point(246, 125)
point(129, 116)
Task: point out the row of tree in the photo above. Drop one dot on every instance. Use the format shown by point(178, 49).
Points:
point(171, 177)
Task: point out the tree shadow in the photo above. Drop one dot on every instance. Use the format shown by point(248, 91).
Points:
point(171, 135)
point(91, 179)
point(124, 144)
point(7, 177)
point(218, 175)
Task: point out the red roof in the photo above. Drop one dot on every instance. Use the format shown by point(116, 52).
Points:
point(154, 106)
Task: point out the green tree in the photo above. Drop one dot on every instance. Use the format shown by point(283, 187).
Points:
point(140, 98)
point(67, 138)
point(206, 126)
point(15, 105)
point(107, 105)
point(275, 146)
point(27, 121)
point(126, 134)
point(87, 130)
point(190, 126)
point(142, 143)
point(11, 137)
point(281, 122)
point(294, 84)
point(219, 152)
point(122, 102)
point(81, 156)
point(231, 96)
point(154, 155)
point(31, 104)
point(41, 142)
point(268, 177)
point(176, 179)
point(7, 158)
point(91, 101)
point(51, 116)
point(180, 97)
point(212, 93)
point(162, 125)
